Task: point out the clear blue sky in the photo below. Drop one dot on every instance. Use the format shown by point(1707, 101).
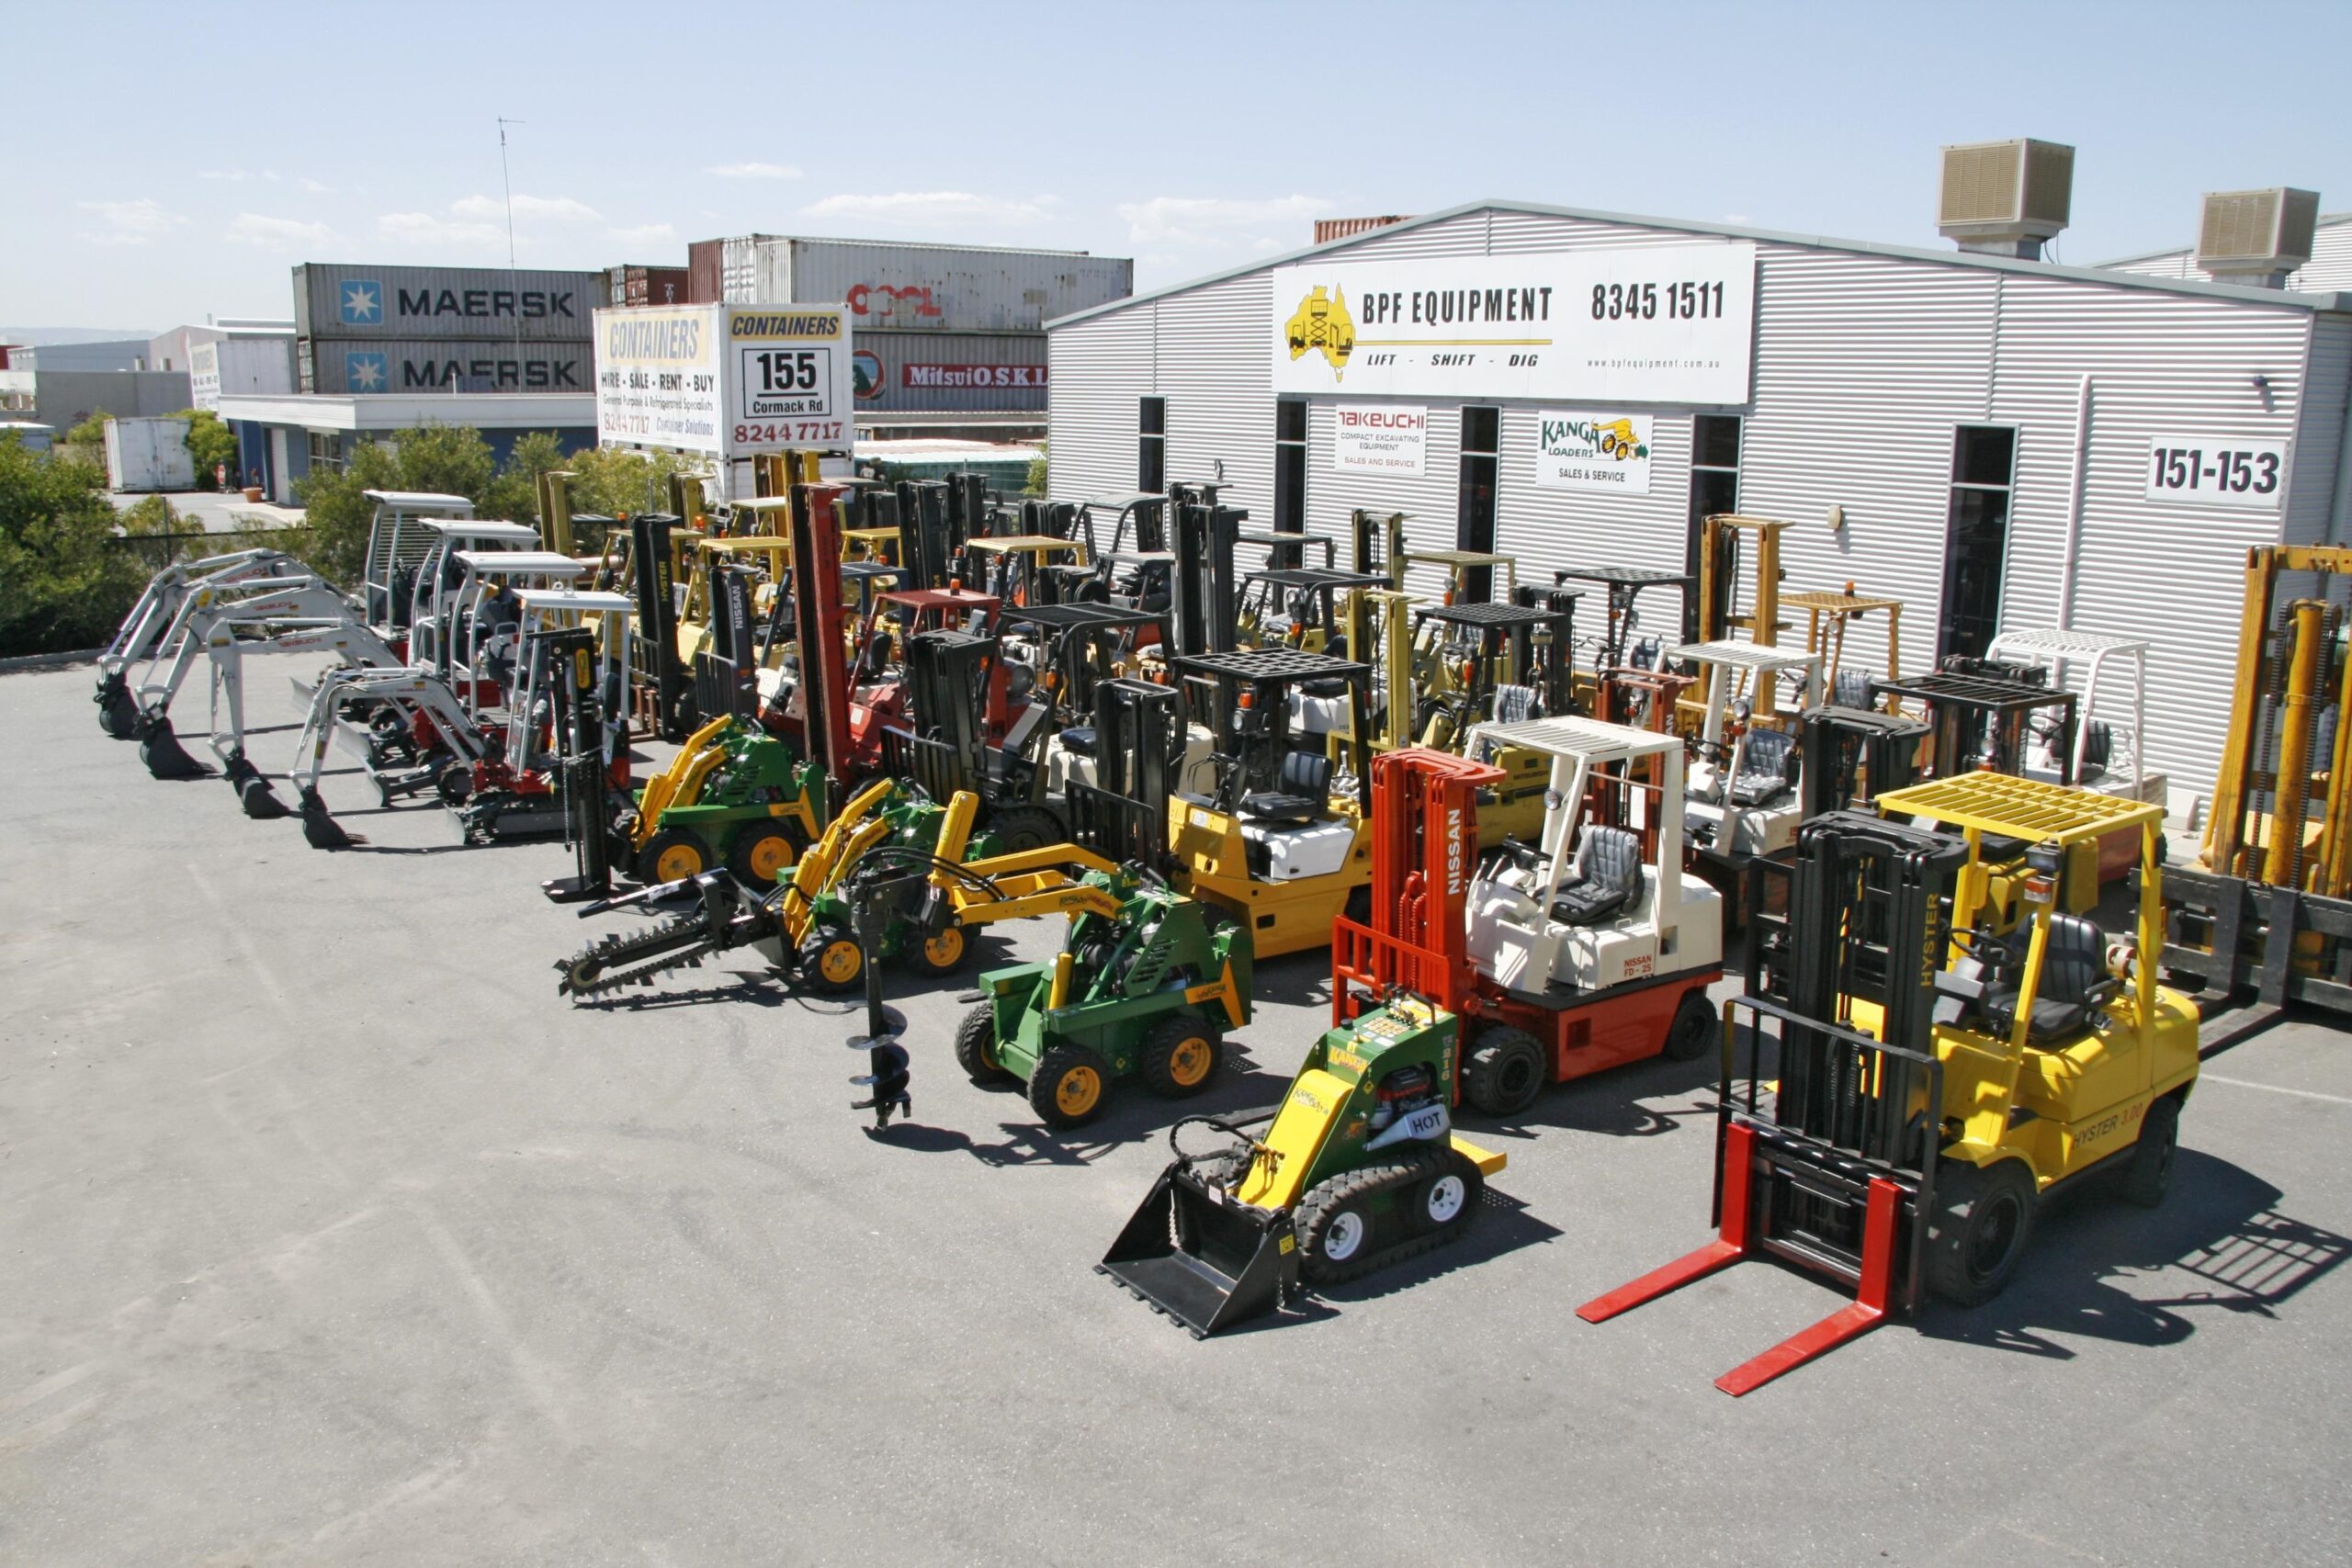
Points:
point(174, 160)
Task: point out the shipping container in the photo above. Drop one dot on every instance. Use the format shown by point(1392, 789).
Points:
point(948, 372)
point(707, 272)
point(908, 288)
point(149, 453)
point(1329, 229)
point(644, 286)
point(344, 365)
point(338, 300)
point(239, 367)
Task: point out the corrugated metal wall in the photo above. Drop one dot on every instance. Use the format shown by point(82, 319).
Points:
point(1864, 364)
point(953, 372)
point(914, 288)
point(2330, 267)
point(340, 300)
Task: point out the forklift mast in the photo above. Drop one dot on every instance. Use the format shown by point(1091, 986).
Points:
point(823, 692)
point(657, 623)
point(1206, 588)
point(1138, 736)
point(1424, 851)
point(1376, 542)
point(1846, 748)
point(726, 672)
point(949, 675)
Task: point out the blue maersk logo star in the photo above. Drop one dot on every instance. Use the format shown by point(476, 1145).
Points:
point(363, 303)
point(366, 372)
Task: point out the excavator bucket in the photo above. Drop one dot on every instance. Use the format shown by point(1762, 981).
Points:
point(118, 714)
point(1201, 1259)
point(319, 827)
point(254, 793)
point(164, 756)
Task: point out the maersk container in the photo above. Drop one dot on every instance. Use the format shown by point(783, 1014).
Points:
point(911, 288)
point(340, 300)
point(948, 372)
point(149, 453)
point(415, 367)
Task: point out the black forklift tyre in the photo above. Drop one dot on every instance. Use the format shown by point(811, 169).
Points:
point(1182, 1056)
point(975, 1046)
point(1696, 1027)
point(831, 960)
point(1019, 828)
point(1070, 1086)
point(2147, 1174)
point(454, 781)
point(1983, 1222)
point(1505, 1071)
point(941, 952)
point(672, 845)
point(761, 855)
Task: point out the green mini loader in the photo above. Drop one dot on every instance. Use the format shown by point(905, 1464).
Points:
point(1146, 984)
point(1358, 1168)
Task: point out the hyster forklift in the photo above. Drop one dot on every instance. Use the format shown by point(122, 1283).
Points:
point(1359, 1167)
point(1902, 1085)
point(1583, 950)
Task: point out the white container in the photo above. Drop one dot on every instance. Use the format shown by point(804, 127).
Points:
point(149, 455)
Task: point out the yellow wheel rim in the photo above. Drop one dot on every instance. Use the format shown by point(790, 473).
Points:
point(1189, 1062)
point(945, 949)
point(677, 863)
point(1080, 1089)
point(771, 857)
point(838, 962)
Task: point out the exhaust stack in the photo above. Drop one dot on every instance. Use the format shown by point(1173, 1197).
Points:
point(2004, 199)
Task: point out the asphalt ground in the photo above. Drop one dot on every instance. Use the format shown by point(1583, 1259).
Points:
point(333, 1234)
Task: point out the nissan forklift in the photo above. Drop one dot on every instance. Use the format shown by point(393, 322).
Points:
point(1904, 1085)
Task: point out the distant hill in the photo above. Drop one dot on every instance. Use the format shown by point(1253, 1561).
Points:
point(34, 337)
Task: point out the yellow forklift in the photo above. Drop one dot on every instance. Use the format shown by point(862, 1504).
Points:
point(1902, 1085)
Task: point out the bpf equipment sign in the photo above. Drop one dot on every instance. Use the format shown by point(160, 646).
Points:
point(728, 380)
point(1645, 324)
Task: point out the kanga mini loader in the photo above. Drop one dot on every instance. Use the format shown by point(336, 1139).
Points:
point(1909, 1085)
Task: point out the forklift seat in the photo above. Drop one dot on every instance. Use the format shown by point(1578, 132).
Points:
point(1767, 768)
point(1604, 879)
point(1850, 688)
point(1515, 704)
point(2074, 979)
point(1304, 796)
point(1078, 738)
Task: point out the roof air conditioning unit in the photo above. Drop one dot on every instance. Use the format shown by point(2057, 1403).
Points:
point(2005, 197)
point(2257, 236)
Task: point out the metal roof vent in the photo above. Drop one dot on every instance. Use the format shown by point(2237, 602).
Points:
point(2257, 236)
point(2005, 197)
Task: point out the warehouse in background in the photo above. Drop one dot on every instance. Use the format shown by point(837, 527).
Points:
point(382, 348)
point(949, 340)
point(2000, 442)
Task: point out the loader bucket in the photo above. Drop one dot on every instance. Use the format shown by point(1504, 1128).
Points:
point(319, 827)
point(118, 714)
point(254, 793)
point(164, 756)
point(1204, 1261)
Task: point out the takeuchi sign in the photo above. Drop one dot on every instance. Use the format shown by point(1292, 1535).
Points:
point(1649, 323)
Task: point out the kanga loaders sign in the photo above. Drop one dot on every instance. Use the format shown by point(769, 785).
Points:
point(729, 380)
point(1607, 452)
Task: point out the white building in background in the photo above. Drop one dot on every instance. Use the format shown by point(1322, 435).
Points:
point(1997, 441)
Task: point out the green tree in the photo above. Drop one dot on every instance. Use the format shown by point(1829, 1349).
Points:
point(211, 444)
point(451, 459)
point(1037, 473)
point(63, 583)
point(621, 483)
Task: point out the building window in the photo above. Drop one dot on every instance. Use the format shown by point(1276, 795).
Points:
point(1151, 446)
point(1474, 518)
point(1976, 538)
point(1290, 465)
point(326, 450)
point(1714, 489)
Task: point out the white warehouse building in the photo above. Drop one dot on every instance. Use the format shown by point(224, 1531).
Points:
point(2001, 443)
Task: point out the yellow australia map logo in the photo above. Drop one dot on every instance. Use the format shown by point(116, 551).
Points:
point(1323, 325)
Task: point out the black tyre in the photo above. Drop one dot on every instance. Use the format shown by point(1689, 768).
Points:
point(1443, 1204)
point(1019, 828)
point(942, 952)
point(454, 781)
point(1359, 905)
point(1069, 1087)
point(2148, 1175)
point(831, 960)
point(671, 855)
point(1982, 1221)
point(1182, 1056)
point(1505, 1072)
point(1339, 1233)
point(1696, 1027)
point(761, 854)
point(976, 1046)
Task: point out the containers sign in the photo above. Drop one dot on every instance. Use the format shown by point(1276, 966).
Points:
point(1648, 324)
point(725, 379)
point(1608, 453)
point(1379, 438)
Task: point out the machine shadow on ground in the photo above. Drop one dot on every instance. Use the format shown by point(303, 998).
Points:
point(2219, 1225)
